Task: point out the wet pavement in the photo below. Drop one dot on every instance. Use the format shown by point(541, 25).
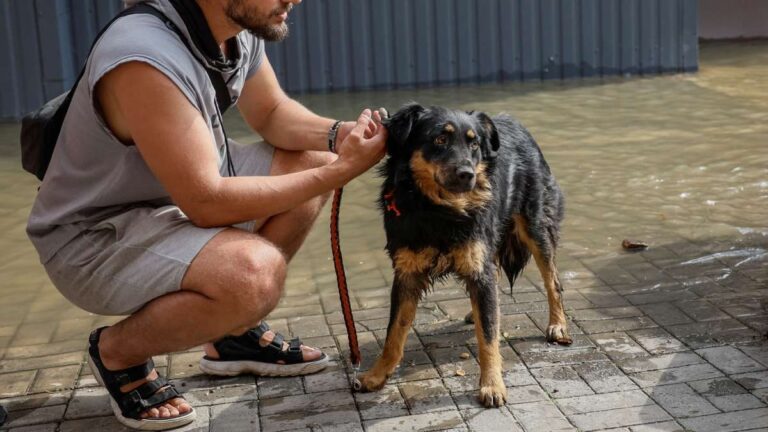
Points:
point(670, 338)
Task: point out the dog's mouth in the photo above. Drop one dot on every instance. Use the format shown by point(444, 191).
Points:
point(453, 183)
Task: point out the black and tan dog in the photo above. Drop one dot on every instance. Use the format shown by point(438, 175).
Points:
point(465, 194)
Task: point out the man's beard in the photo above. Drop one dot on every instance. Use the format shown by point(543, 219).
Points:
point(260, 26)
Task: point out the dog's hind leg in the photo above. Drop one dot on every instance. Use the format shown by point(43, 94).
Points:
point(404, 298)
point(540, 243)
point(485, 312)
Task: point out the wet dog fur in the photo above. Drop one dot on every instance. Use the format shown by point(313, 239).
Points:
point(465, 194)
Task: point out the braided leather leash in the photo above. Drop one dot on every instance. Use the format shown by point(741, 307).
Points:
point(341, 280)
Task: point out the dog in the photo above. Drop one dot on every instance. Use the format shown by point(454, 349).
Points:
point(465, 194)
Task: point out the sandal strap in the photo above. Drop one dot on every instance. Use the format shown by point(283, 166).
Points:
point(248, 347)
point(134, 402)
point(146, 396)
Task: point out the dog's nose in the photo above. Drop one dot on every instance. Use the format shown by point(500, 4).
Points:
point(465, 173)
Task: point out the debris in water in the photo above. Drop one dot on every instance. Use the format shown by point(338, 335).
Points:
point(633, 245)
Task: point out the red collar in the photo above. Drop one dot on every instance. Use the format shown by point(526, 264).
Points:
point(389, 200)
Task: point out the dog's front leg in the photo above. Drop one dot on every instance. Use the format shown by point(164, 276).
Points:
point(406, 290)
point(485, 311)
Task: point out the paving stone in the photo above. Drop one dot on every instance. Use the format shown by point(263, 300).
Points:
point(491, 420)
point(681, 401)
point(756, 352)
point(752, 380)
point(661, 297)
point(561, 382)
point(604, 377)
point(732, 421)
point(414, 373)
point(618, 324)
point(448, 361)
point(291, 412)
point(675, 375)
point(514, 378)
point(235, 416)
point(385, 403)
point(49, 427)
point(619, 417)
point(35, 401)
point(55, 379)
point(608, 313)
point(91, 402)
point(47, 349)
point(657, 341)
point(604, 297)
point(669, 426)
point(540, 416)
point(704, 328)
point(101, 424)
point(269, 387)
point(619, 346)
point(665, 313)
point(427, 396)
point(660, 362)
point(603, 402)
point(730, 360)
point(326, 380)
point(702, 310)
point(26, 364)
point(437, 421)
point(42, 415)
point(15, 383)
point(221, 395)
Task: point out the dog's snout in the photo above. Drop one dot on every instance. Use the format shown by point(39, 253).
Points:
point(465, 173)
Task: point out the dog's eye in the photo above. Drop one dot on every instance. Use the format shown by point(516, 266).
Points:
point(441, 140)
point(474, 145)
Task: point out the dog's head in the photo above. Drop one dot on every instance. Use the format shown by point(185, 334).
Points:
point(451, 148)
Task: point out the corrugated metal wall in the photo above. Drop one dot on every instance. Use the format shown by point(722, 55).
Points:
point(364, 44)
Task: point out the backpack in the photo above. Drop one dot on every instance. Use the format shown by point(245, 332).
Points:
point(40, 129)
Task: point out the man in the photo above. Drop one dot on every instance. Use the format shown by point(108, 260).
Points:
point(136, 215)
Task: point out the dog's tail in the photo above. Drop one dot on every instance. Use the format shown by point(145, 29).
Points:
point(513, 257)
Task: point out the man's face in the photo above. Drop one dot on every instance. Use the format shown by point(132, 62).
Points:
point(264, 18)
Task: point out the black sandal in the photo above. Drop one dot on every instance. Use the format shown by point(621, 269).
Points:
point(245, 354)
point(128, 407)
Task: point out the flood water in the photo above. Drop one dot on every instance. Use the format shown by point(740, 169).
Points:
point(662, 159)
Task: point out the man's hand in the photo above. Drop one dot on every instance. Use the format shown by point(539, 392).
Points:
point(363, 146)
point(346, 128)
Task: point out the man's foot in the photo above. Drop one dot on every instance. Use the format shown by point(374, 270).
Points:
point(261, 351)
point(132, 389)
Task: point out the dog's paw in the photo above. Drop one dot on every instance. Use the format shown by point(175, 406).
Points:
point(558, 333)
point(370, 382)
point(494, 395)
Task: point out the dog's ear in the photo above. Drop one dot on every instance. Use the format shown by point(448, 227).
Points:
point(399, 126)
point(491, 142)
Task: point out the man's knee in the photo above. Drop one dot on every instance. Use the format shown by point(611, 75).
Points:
point(258, 281)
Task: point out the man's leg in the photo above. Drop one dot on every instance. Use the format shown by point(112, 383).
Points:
point(234, 282)
point(288, 230)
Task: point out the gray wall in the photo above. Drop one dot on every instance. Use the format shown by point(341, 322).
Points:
point(364, 44)
point(733, 19)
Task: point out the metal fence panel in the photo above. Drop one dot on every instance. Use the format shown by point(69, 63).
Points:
point(366, 44)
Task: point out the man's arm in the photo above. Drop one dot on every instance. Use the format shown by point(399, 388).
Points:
point(282, 121)
point(174, 140)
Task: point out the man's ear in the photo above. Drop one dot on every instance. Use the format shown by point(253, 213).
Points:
point(399, 126)
point(491, 141)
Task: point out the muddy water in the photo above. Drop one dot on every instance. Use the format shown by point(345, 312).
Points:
point(659, 158)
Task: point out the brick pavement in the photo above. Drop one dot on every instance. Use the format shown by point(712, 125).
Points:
point(672, 338)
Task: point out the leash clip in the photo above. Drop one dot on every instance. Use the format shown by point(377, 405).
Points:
point(356, 384)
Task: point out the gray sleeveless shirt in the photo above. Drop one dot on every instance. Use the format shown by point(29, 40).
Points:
point(93, 175)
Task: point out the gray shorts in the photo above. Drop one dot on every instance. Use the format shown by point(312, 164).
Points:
point(123, 262)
